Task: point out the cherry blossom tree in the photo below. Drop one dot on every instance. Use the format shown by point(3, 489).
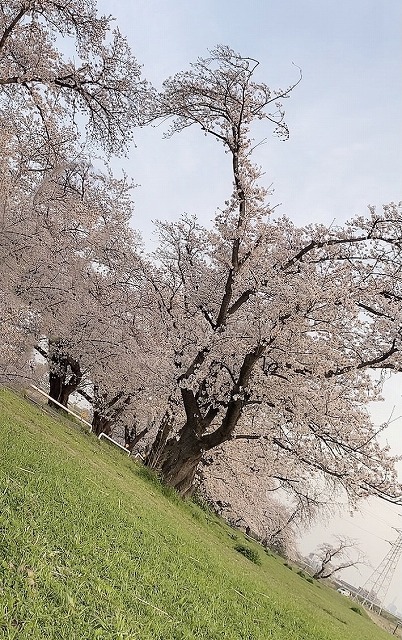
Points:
point(17, 341)
point(272, 330)
point(100, 81)
point(65, 251)
point(62, 68)
point(252, 490)
point(255, 337)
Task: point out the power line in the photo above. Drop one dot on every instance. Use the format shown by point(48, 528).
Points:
point(365, 530)
point(376, 517)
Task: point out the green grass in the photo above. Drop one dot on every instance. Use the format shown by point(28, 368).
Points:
point(91, 546)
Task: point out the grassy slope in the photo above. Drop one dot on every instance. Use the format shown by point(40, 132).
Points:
point(91, 547)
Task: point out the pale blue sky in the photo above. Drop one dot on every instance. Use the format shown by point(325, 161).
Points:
point(345, 126)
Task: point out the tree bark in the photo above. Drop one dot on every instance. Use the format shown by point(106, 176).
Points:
point(180, 456)
point(56, 379)
point(60, 363)
point(179, 460)
point(101, 424)
point(106, 412)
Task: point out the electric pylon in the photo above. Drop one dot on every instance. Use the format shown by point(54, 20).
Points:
point(375, 589)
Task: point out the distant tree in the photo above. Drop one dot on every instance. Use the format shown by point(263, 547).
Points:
point(332, 558)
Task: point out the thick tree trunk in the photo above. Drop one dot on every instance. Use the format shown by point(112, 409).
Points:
point(180, 465)
point(56, 382)
point(101, 424)
point(62, 365)
point(178, 461)
point(154, 456)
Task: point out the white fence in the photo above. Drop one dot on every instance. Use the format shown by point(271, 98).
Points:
point(103, 435)
point(88, 424)
point(76, 415)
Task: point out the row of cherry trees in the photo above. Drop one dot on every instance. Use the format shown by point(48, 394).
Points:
point(245, 350)
point(69, 258)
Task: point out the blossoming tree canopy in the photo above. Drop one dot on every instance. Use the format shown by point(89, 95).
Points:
point(100, 79)
point(65, 78)
point(273, 329)
point(253, 335)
